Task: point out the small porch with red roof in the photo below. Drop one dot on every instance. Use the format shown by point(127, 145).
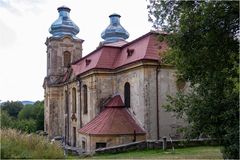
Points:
point(113, 126)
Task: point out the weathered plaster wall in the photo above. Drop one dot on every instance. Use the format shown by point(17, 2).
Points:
point(46, 110)
point(105, 88)
point(135, 77)
point(100, 87)
point(167, 86)
point(53, 111)
point(150, 101)
point(74, 118)
point(56, 48)
point(90, 82)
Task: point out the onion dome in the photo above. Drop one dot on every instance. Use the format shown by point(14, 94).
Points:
point(64, 25)
point(114, 32)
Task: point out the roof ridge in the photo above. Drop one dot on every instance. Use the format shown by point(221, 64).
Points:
point(116, 101)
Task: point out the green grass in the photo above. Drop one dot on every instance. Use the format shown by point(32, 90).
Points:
point(203, 152)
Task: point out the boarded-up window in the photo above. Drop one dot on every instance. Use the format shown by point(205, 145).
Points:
point(66, 58)
point(85, 98)
point(127, 94)
point(74, 100)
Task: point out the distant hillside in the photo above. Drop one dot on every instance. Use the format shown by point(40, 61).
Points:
point(27, 102)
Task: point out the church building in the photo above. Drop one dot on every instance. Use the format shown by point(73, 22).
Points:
point(113, 95)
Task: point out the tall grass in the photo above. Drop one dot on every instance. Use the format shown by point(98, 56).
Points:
point(15, 144)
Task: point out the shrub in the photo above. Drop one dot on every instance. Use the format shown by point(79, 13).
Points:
point(6, 120)
point(23, 124)
point(28, 126)
point(15, 144)
point(231, 144)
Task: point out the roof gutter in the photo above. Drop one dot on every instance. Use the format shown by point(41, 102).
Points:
point(117, 134)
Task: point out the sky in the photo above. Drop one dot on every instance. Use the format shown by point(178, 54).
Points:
point(24, 28)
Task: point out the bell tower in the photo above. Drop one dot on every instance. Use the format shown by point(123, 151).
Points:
point(63, 47)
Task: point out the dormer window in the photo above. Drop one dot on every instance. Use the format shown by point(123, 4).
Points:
point(88, 61)
point(130, 52)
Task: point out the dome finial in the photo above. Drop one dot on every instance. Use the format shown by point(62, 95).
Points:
point(64, 25)
point(114, 32)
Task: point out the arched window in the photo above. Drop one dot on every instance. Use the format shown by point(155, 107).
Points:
point(74, 101)
point(127, 94)
point(85, 98)
point(66, 58)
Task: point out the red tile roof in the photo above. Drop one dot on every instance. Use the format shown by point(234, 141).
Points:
point(115, 102)
point(115, 119)
point(116, 55)
point(101, 58)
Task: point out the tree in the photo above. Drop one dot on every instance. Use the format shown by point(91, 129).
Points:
point(28, 118)
point(27, 112)
point(33, 112)
point(203, 41)
point(12, 107)
point(39, 114)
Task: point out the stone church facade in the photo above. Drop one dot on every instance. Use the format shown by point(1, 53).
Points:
point(113, 95)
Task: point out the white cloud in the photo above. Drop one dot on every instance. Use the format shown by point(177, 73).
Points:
point(7, 36)
point(20, 7)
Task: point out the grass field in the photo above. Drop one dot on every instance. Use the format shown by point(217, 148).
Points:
point(17, 145)
point(203, 152)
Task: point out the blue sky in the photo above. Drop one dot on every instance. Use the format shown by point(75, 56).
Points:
point(24, 28)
